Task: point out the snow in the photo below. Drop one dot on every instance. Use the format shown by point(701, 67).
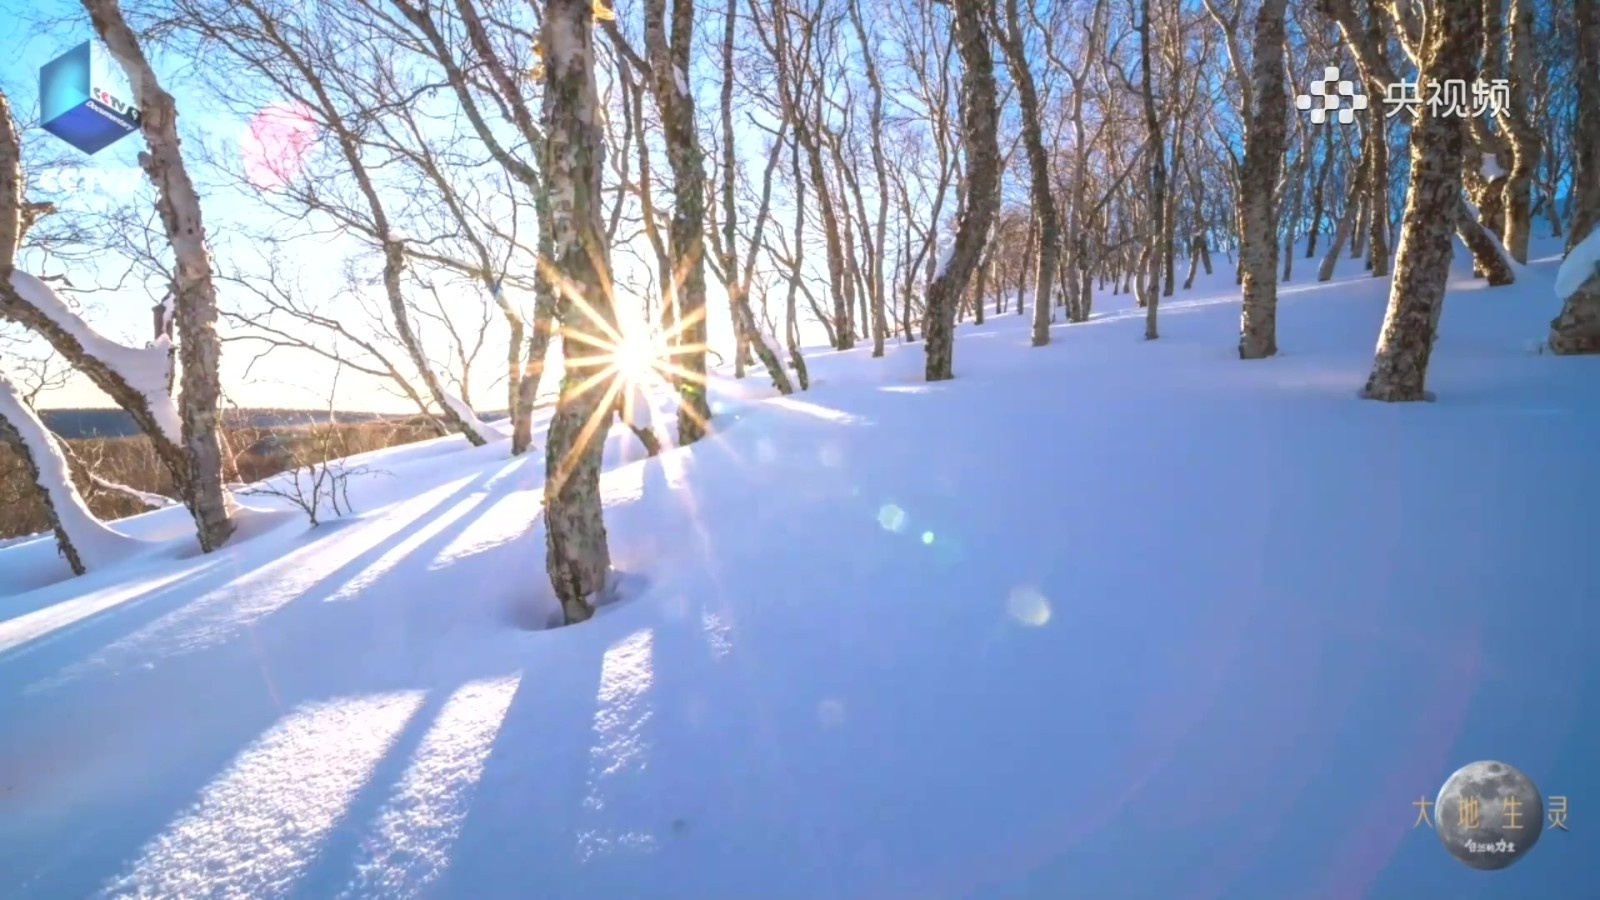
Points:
point(636, 409)
point(1506, 258)
point(96, 544)
point(946, 254)
point(1491, 168)
point(682, 82)
point(1106, 618)
point(148, 369)
point(152, 500)
point(1580, 265)
point(470, 419)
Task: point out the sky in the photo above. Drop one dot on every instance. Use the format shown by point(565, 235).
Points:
point(282, 378)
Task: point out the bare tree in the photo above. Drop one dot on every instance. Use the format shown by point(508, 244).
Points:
point(737, 275)
point(668, 52)
point(195, 313)
point(1013, 43)
point(20, 428)
point(1577, 328)
point(979, 131)
point(577, 557)
point(318, 476)
point(1448, 51)
point(1157, 162)
point(1266, 110)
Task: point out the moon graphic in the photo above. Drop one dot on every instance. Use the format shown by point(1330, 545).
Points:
point(1488, 815)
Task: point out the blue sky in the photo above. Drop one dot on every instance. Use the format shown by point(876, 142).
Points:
point(112, 174)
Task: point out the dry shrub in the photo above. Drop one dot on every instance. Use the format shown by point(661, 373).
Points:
point(132, 461)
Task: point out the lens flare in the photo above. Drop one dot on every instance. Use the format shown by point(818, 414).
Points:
point(276, 143)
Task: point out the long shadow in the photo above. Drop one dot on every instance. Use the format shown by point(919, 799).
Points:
point(534, 778)
point(233, 691)
point(147, 611)
point(537, 776)
point(335, 858)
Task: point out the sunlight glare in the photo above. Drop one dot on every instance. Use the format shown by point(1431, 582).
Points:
point(637, 359)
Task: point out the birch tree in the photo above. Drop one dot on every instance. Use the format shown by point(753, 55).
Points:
point(737, 274)
point(1014, 45)
point(1448, 51)
point(195, 311)
point(1157, 163)
point(668, 52)
point(979, 131)
point(1266, 106)
point(577, 558)
point(1577, 328)
point(78, 534)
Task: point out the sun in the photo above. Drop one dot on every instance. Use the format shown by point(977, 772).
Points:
point(636, 359)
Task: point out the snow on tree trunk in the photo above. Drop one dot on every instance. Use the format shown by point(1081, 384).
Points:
point(84, 541)
point(766, 349)
point(1263, 158)
point(1577, 328)
point(577, 558)
point(633, 408)
point(1013, 43)
point(979, 133)
point(462, 411)
point(669, 59)
point(195, 314)
point(137, 380)
point(1489, 255)
point(1422, 268)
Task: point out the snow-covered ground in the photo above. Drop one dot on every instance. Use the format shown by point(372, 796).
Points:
point(1104, 619)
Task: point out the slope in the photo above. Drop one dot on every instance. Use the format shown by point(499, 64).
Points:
point(1107, 618)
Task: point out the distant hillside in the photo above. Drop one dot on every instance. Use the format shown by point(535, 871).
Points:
point(85, 423)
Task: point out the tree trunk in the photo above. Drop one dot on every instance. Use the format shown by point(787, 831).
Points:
point(1319, 195)
point(577, 558)
point(1489, 256)
point(44, 468)
point(670, 71)
point(1526, 146)
point(979, 132)
point(155, 414)
point(880, 322)
point(196, 296)
point(1013, 44)
point(1263, 158)
point(1378, 197)
point(1577, 328)
point(981, 289)
point(1400, 369)
point(1158, 169)
point(544, 314)
point(1347, 223)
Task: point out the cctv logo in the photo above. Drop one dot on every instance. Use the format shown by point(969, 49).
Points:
point(75, 105)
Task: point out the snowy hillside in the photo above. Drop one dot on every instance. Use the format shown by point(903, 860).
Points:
point(1109, 618)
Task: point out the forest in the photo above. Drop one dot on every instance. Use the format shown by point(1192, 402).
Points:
point(590, 189)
